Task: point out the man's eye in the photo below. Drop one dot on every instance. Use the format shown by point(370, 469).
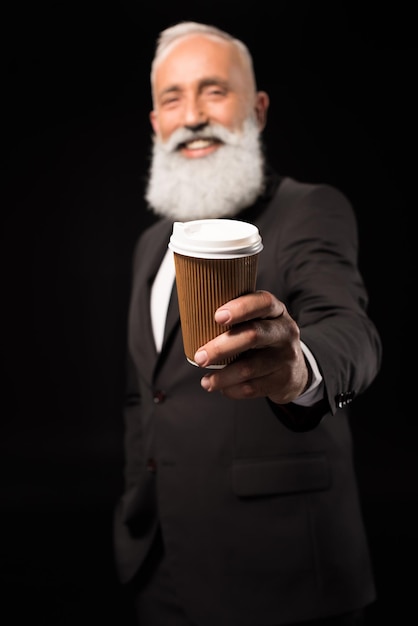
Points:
point(215, 91)
point(169, 100)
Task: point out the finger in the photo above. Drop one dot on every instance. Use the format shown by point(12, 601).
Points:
point(252, 335)
point(259, 304)
point(258, 375)
point(230, 343)
point(267, 386)
point(245, 368)
point(248, 378)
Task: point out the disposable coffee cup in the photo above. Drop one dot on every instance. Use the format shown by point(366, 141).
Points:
point(215, 260)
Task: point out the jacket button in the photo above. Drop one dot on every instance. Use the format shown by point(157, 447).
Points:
point(151, 466)
point(343, 399)
point(159, 397)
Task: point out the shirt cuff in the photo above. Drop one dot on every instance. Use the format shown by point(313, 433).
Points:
point(315, 391)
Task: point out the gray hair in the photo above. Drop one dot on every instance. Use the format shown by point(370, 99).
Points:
point(172, 34)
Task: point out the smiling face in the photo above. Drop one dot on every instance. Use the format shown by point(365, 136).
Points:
point(202, 80)
point(207, 157)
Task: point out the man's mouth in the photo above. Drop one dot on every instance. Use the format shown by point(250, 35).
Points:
point(199, 144)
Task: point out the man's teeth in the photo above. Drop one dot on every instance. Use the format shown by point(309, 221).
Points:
point(198, 144)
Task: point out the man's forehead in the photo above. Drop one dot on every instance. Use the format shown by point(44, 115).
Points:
point(196, 41)
point(197, 58)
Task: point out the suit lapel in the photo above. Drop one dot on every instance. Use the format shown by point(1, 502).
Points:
point(146, 269)
point(173, 318)
point(172, 326)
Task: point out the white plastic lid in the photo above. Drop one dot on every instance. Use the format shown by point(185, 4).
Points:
point(215, 239)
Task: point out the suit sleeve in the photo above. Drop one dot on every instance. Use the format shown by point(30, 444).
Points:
point(317, 243)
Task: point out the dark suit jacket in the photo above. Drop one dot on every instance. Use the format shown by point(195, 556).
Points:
point(257, 503)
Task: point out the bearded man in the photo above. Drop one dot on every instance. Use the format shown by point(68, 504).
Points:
point(241, 506)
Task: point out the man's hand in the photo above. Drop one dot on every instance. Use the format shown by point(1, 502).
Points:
point(271, 361)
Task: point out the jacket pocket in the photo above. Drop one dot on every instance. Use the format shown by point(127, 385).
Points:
point(260, 477)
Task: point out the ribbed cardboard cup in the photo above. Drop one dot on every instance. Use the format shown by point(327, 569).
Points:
point(215, 260)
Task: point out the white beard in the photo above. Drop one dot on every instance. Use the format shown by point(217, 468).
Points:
point(218, 185)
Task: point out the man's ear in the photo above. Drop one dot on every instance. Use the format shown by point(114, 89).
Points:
point(154, 121)
point(262, 102)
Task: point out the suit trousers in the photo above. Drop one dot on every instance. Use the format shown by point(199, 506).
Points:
point(154, 600)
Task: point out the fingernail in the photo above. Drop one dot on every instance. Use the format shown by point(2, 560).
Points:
point(223, 316)
point(205, 383)
point(201, 357)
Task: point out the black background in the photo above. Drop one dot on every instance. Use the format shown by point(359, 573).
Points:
point(342, 82)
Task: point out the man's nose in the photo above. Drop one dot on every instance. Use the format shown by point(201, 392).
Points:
point(196, 127)
point(195, 117)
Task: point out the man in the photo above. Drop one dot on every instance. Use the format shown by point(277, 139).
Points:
point(241, 505)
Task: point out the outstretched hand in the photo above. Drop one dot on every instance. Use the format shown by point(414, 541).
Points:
point(270, 363)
